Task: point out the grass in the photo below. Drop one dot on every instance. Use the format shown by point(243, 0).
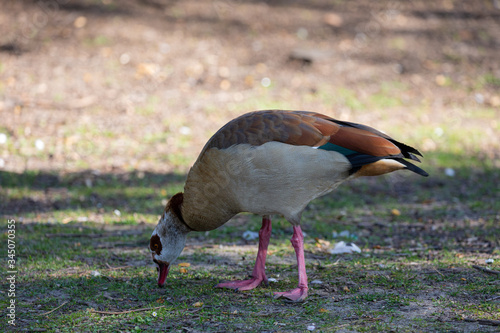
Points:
point(134, 287)
point(409, 262)
point(86, 205)
point(418, 262)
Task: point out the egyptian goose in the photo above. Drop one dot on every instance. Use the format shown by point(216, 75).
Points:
point(272, 162)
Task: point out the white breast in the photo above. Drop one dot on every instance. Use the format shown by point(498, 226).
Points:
point(274, 178)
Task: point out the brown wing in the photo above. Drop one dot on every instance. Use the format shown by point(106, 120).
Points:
point(299, 128)
point(361, 144)
point(257, 128)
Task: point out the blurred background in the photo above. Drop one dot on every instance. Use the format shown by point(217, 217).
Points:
point(105, 104)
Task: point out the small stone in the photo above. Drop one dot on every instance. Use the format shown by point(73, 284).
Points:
point(441, 80)
point(250, 235)
point(449, 172)
point(265, 82)
point(495, 101)
point(39, 144)
point(184, 130)
point(225, 84)
point(333, 19)
point(164, 48)
point(479, 98)
point(438, 131)
point(302, 33)
point(146, 69)
point(345, 233)
point(224, 72)
point(398, 68)
point(342, 247)
point(124, 58)
point(80, 22)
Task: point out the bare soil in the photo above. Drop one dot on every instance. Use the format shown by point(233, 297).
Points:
point(134, 88)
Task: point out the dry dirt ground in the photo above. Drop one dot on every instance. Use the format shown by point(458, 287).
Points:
point(131, 90)
point(129, 83)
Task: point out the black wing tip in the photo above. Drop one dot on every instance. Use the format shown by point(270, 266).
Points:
point(423, 173)
point(407, 151)
point(413, 167)
point(414, 158)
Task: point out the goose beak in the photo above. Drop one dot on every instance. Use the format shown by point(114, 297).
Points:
point(162, 273)
point(163, 268)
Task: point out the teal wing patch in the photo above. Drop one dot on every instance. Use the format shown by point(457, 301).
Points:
point(339, 149)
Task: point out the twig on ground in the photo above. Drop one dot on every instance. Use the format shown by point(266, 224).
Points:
point(139, 310)
point(486, 270)
point(111, 268)
point(493, 298)
point(484, 321)
point(94, 235)
point(46, 313)
point(489, 322)
point(438, 272)
point(128, 311)
point(196, 310)
point(76, 235)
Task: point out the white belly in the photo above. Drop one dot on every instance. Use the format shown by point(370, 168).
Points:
point(274, 178)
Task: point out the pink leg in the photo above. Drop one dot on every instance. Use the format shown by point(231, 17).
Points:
point(300, 293)
point(259, 271)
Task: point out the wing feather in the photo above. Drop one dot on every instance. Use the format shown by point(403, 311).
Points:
point(361, 144)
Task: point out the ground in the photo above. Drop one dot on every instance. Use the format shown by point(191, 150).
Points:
point(104, 105)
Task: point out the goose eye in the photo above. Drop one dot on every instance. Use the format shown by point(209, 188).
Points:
point(155, 244)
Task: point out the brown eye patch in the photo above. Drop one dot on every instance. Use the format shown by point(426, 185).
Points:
point(155, 244)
